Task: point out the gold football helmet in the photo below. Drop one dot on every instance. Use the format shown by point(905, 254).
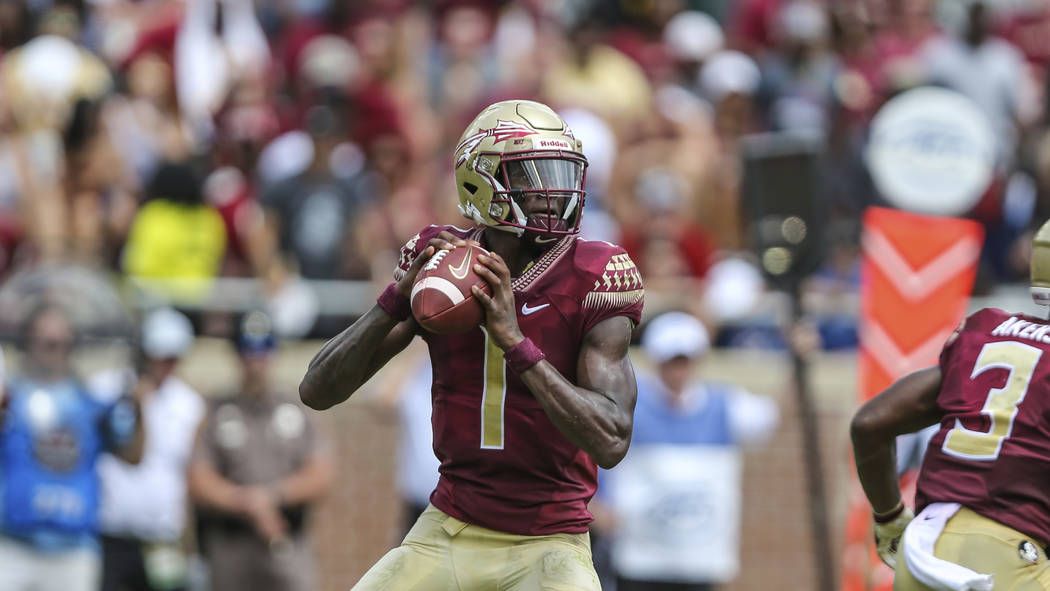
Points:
point(511, 151)
point(1040, 266)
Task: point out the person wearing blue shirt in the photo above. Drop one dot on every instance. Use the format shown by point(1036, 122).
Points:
point(671, 508)
point(52, 432)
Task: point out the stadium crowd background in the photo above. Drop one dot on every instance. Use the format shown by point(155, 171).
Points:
point(166, 143)
point(169, 140)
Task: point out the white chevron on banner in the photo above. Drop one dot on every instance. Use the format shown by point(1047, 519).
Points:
point(915, 284)
point(893, 360)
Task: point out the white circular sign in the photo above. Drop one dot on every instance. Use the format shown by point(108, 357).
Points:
point(931, 151)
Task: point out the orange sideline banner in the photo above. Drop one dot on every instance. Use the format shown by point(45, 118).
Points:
point(917, 272)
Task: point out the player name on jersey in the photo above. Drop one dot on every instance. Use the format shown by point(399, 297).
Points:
point(1016, 327)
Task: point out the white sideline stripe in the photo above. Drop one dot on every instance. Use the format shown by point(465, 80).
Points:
point(915, 284)
point(441, 284)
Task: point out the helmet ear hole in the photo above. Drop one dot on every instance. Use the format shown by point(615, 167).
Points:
point(471, 188)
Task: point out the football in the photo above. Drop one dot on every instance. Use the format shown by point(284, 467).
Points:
point(441, 298)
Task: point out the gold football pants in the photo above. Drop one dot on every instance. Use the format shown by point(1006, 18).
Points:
point(987, 547)
point(442, 553)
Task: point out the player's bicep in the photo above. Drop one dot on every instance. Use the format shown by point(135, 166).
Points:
point(604, 364)
point(905, 407)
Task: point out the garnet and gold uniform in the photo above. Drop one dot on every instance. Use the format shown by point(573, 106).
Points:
point(992, 453)
point(513, 490)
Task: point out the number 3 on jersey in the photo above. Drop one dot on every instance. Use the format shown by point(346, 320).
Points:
point(1001, 404)
point(494, 395)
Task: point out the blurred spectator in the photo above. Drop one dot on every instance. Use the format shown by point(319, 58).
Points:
point(218, 43)
point(666, 244)
point(143, 512)
point(904, 27)
point(42, 82)
point(14, 24)
point(44, 78)
point(729, 81)
point(258, 466)
point(861, 84)
point(592, 75)
point(313, 217)
point(176, 242)
point(691, 37)
point(986, 69)
point(798, 79)
point(98, 189)
point(672, 507)
point(991, 72)
point(52, 436)
point(145, 121)
point(462, 66)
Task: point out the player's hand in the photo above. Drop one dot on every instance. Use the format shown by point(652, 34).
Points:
point(445, 240)
point(501, 318)
point(265, 515)
point(888, 536)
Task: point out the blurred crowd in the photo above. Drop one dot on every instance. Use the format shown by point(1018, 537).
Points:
point(99, 470)
point(175, 141)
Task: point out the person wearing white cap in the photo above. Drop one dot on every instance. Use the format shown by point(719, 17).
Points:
point(691, 37)
point(143, 507)
point(674, 501)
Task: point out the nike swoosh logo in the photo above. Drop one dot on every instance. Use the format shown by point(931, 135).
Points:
point(545, 240)
point(460, 271)
point(526, 310)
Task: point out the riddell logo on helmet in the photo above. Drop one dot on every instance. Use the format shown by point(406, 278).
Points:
point(503, 131)
point(554, 144)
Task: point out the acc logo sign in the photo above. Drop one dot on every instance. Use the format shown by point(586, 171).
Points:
point(931, 151)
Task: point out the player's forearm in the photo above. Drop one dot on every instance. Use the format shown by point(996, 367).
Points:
point(875, 455)
point(878, 476)
point(591, 420)
point(346, 361)
point(908, 405)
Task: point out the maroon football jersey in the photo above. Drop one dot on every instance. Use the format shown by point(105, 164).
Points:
point(504, 465)
point(992, 453)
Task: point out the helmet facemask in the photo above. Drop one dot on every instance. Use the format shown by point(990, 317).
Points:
point(539, 195)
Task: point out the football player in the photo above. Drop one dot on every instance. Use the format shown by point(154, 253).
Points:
point(527, 404)
point(983, 496)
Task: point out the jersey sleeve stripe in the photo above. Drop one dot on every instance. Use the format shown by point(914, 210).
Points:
point(612, 299)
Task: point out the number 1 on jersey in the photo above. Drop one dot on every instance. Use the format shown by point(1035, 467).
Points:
point(494, 395)
point(1001, 404)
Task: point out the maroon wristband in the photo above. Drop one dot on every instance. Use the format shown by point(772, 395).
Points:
point(889, 515)
point(522, 356)
point(393, 303)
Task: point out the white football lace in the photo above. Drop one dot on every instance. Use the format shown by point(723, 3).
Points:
point(435, 260)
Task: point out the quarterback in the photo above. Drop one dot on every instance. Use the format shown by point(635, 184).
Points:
point(527, 404)
point(983, 496)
